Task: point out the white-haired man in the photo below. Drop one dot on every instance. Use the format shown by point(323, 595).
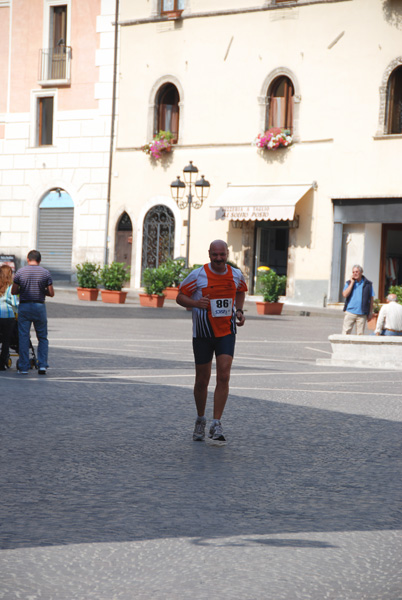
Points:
point(390, 317)
point(359, 297)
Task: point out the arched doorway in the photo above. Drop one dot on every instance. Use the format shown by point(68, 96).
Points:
point(55, 233)
point(158, 236)
point(124, 240)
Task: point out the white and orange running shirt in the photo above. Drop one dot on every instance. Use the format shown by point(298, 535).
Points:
point(220, 318)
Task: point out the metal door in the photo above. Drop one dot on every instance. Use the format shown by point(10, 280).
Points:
point(158, 236)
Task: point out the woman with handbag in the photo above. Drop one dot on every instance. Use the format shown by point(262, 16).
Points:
point(8, 309)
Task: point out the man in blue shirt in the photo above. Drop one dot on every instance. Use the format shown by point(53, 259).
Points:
point(33, 283)
point(359, 296)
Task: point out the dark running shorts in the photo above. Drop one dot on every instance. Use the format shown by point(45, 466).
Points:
point(204, 348)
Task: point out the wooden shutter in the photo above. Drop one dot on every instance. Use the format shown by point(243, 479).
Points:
point(45, 121)
point(289, 108)
point(175, 122)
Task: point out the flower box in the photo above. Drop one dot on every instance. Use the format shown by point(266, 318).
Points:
point(273, 139)
point(269, 308)
point(151, 300)
point(171, 293)
point(161, 144)
point(90, 294)
point(113, 296)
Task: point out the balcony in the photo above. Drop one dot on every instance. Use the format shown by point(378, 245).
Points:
point(55, 66)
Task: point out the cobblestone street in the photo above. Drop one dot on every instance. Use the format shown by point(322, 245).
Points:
point(105, 496)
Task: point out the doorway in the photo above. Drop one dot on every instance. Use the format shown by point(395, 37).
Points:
point(55, 233)
point(271, 246)
point(391, 258)
point(158, 236)
point(124, 240)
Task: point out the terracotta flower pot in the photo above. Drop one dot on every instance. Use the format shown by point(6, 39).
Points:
point(372, 323)
point(269, 308)
point(113, 296)
point(151, 300)
point(87, 293)
point(171, 293)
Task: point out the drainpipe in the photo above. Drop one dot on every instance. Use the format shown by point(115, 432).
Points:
point(112, 127)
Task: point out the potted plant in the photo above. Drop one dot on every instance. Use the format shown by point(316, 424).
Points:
point(177, 271)
point(273, 139)
point(88, 280)
point(271, 286)
point(161, 143)
point(113, 277)
point(155, 281)
point(372, 323)
point(396, 289)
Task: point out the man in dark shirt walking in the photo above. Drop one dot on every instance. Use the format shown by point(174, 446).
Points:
point(33, 283)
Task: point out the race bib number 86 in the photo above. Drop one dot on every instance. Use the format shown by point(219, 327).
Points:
point(221, 307)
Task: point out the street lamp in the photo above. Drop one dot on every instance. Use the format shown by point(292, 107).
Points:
point(178, 187)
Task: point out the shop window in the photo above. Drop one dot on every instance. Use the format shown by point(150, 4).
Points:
point(394, 102)
point(45, 121)
point(167, 110)
point(280, 104)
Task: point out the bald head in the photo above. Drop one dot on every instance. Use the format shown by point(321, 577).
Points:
point(218, 255)
point(218, 243)
point(392, 298)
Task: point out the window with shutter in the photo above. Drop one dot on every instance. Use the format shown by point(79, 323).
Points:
point(170, 6)
point(45, 121)
point(394, 102)
point(167, 106)
point(280, 104)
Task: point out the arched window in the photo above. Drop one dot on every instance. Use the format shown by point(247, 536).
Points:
point(158, 236)
point(394, 102)
point(280, 104)
point(167, 110)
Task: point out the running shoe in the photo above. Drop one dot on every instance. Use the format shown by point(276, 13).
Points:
point(199, 429)
point(216, 432)
point(41, 371)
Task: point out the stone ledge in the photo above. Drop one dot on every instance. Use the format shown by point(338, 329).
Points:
point(377, 352)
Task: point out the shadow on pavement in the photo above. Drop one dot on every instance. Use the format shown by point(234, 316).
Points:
point(113, 461)
point(58, 310)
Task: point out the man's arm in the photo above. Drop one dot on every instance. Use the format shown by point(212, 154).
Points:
point(371, 307)
point(15, 290)
point(187, 302)
point(49, 291)
point(240, 318)
point(380, 321)
point(348, 290)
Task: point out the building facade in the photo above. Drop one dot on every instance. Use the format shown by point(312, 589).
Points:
point(56, 73)
point(216, 74)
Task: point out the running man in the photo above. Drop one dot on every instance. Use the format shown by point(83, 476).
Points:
point(216, 293)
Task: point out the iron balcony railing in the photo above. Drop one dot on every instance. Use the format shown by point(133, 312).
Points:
point(55, 64)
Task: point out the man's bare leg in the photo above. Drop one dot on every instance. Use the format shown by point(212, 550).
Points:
point(202, 377)
point(223, 367)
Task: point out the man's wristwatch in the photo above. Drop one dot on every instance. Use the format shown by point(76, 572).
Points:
point(239, 310)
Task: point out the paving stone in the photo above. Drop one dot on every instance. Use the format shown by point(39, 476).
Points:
point(105, 496)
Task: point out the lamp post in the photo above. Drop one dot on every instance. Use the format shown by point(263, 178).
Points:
point(178, 187)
